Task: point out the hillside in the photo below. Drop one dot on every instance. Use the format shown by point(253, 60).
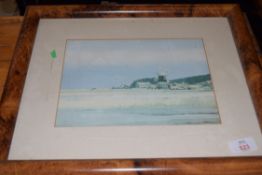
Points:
point(192, 80)
point(200, 82)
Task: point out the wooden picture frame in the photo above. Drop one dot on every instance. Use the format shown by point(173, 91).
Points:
point(16, 78)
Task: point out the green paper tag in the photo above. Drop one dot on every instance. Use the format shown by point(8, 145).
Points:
point(53, 54)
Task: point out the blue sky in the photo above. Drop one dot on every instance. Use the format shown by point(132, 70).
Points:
point(111, 63)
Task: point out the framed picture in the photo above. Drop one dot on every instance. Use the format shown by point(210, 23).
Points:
point(135, 82)
point(124, 88)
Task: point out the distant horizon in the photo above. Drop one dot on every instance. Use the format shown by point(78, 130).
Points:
point(139, 79)
point(100, 64)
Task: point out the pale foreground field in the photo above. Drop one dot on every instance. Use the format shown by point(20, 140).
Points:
point(107, 107)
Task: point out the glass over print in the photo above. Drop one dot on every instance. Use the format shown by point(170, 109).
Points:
point(136, 82)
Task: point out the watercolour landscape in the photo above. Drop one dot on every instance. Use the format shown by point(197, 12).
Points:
point(136, 82)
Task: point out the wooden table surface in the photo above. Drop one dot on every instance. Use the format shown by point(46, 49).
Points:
point(9, 32)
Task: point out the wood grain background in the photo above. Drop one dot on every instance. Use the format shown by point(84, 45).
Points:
point(9, 32)
point(9, 103)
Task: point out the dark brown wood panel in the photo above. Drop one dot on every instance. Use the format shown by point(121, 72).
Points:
point(13, 90)
point(9, 31)
point(196, 166)
point(4, 65)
